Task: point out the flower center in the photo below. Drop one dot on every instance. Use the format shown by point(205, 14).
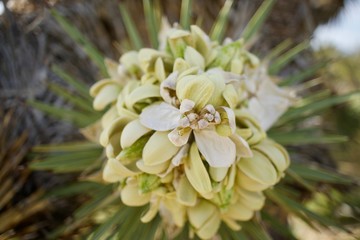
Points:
point(207, 116)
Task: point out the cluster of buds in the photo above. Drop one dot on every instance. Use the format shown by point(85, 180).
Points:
point(185, 131)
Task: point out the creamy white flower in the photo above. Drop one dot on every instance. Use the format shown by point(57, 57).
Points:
point(267, 101)
point(219, 151)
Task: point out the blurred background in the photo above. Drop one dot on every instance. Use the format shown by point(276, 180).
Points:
point(31, 41)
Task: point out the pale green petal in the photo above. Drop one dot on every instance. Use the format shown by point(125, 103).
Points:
point(249, 184)
point(196, 172)
point(251, 200)
point(275, 152)
point(218, 174)
point(132, 132)
point(158, 149)
point(239, 212)
point(219, 86)
point(109, 116)
point(130, 60)
point(231, 96)
point(112, 68)
point(237, 66)
point(113, 147)
point(201, 40)
point(143, 92)
point(201, 213)
point(180, 65)
point(242, 147)
point(258, 168)
point(96, 88)
point(106, 95)
point(160, 69)
point(185, 193)
point(131, 195)
point(114, 171)
point(178, 40)
point(178, 211)
point(154, 169)
point(210, 228)
point(231, 223)
point(194, 58)
point(147, 58)
point(116, 126)
point(198, 89)
point(151, 213)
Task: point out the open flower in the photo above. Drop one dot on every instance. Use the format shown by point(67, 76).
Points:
point(267, 101)
point(218, 150)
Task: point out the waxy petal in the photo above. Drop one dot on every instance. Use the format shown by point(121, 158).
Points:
point(168, 85)
point(197, 88)
point(158, 149)
point(160, 117)
point(115, 171)
point(185, 193)
point(131, 195)
point(242, 146)
point(194, 58)
point(143, 92)
point(239, 212)
point(201, 213)
point(179, 136)
point(132, 132)
point(218, 151)
point(154, 169)
point(196, 172)
point(251, 200)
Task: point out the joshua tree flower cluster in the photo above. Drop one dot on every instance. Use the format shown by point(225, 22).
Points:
point(185, 130)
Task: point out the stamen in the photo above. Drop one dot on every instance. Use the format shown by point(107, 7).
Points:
point(210, 108)
point(217, 118)
point(184, 122)
point(209, 117)
point(203, 123)
point(186, 106)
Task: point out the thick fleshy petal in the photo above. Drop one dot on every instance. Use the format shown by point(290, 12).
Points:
point(259, 168)
point(182, 153)
point(132, 132)
point(151, 213)
point(177, 210)
point(114, 171)
point(210, 228)
point(116, 126)
point(201, 213)
point(218, 174)
point(143, 92)
point(239, 212)
point(231, 96)
point(168, 85)
point(185, 193)
point(275, 152)
point(158, 149)
point(218, 151)
point(106, 95)
point(197, 88)
point(251, 200)
point(155, 169)
point(242, 147)
point(131, 195)
point(194, 58)
point(179, 136)
point(196, 172)
point(160, 117)
point(230, 118)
